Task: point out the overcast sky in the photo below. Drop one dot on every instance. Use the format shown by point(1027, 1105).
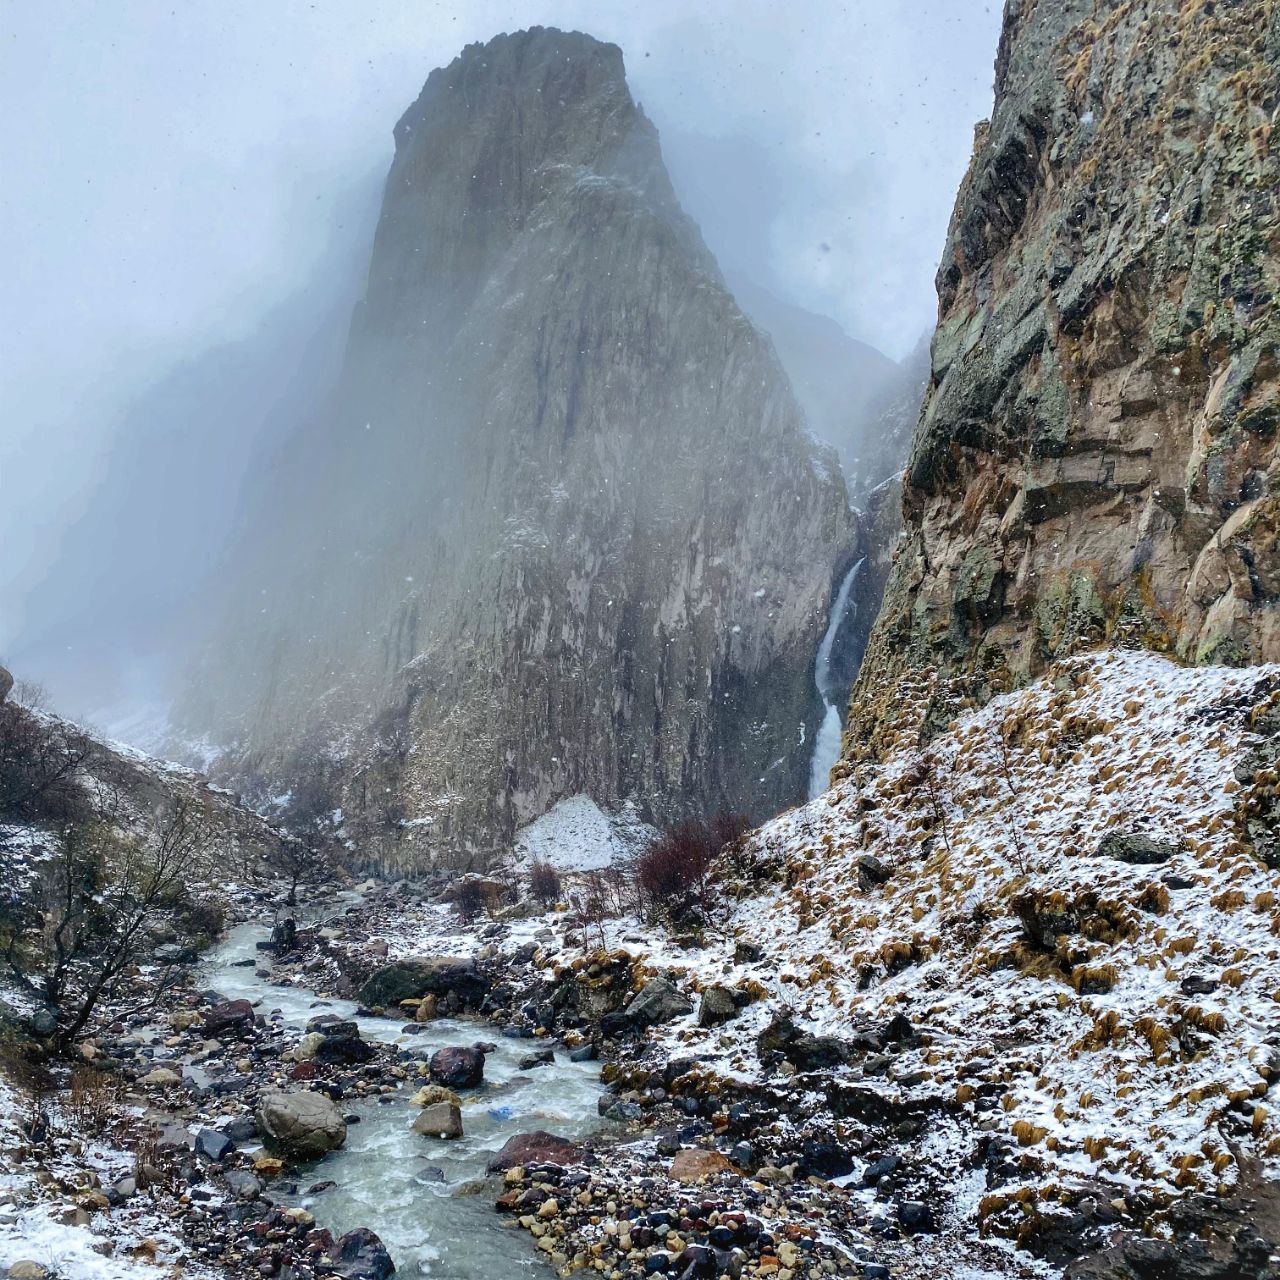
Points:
point(173, 169)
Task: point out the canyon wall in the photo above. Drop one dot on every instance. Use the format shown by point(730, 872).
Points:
point(1095, 463)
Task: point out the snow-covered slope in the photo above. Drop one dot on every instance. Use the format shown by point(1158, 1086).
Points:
point(1107, 1005)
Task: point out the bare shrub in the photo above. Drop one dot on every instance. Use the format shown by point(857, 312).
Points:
point(674, 872)
point(92, 914)
point(42, 765)
point(544, 883)
point(470, 900)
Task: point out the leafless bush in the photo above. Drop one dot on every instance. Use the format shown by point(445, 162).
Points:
point(92, 1101)
point(42, 765)
point(594, 904)
point(675, 870)
point(544, 883)
point(470, 900)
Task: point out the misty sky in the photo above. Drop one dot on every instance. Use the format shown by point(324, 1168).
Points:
point(174, 169)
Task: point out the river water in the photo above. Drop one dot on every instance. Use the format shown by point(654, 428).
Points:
point(412, 1190)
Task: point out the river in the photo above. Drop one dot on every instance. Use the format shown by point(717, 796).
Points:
point(412, 1190)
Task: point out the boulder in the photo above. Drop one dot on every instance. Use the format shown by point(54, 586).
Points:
point(817, 1053)
point(241, 1129)
point(437, 976)
point(242, 1184)
point(538, 1147)
point(695, 1163)
point(301, 1125)
point(213, 1146)
point(161, 1076)
point(457, 1068)
point(360, 1255)
point(430, 1094)
point(174, 953)
point(230, 1017)
point(347, 1051)
point(305, 1049)
point(542, 1058)
point(1137, 849)
point(24, 1268)
point(656, 1002)
point(717, 1007)
point(439, 1120)
point(428, 1009)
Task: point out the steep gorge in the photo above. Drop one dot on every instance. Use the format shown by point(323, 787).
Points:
point(561, 529)
point(1096, 459)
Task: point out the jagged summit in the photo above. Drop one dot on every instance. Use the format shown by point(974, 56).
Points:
point(560, 530)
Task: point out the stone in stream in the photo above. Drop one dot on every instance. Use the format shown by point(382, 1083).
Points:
point(543, 1058)
point(457, 1068)
point(301, 1125)
point(537, 1147)
point(438, 976)
point(360, 1255)
point(433, 1093)
point(161, 1076)
point(439, 1120)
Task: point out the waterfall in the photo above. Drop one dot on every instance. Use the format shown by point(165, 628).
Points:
point(826, 746)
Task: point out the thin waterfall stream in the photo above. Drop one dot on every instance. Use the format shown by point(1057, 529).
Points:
point(422, 1195)
point(826, 746)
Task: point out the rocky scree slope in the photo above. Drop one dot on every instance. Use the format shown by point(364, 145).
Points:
point(1096, 458)
point(562, 530)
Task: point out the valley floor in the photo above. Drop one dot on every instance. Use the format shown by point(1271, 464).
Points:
point(1001, 1007)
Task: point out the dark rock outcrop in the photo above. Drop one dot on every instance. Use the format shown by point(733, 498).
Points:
point(439, 976)
point(457, 1068)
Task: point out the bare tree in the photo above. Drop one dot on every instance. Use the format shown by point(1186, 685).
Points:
point(99, 898)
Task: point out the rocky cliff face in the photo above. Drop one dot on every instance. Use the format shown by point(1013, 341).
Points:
point(1096, 461)
point(562, 530)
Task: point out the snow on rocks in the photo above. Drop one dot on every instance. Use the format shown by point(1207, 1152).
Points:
point(1111, 1019)
point(577, 835)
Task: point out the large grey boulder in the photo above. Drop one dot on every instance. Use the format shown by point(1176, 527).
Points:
point(439, 1120)
point(718, 1006)
point(438, 976)
point(300, 1126)
point(656, 1002)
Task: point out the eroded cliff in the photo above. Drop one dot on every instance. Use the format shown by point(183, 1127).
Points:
point(1096, 460)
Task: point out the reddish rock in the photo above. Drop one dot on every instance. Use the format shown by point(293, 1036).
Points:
point(538, 1147)
point(694, 1163)
point(231, 1017)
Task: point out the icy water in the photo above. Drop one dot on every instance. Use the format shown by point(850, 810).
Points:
point(414, 1191)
